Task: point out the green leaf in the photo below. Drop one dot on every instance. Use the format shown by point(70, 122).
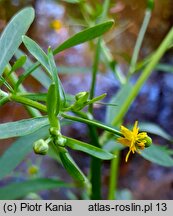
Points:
point(22, 127)
point(35, 96)
point(38, 73)
point(85, 35)
point(52, 104)
point(18, 151)
point(11, 38)
point(59, 88)
point(21, 189)
point(118, 99)
point(98, 98)
point(36, 51)
point(154, 129)
point(89, 149)
point(70, 165)
point(19, 63)
point(158, 154)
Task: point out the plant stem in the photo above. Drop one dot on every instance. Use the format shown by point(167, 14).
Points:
point(13, 79)
point(144, 76)
point(94, 73)
point(139, 41)
point(28, 102)
point(95, 167)
point(96, 163)
point(114, 176)
point(93, 123)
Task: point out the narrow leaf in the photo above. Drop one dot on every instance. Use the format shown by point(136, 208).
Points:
point(118, 99)
point(38, 73)
point(19, 63)
point(22, 127)
point(11, 38)
point(36, 51)
point(158, 154)
point(21, 189)
point(154, 129)
point(98, 98)
point(52, 104)
point(71, 166)
point(14, 155)
point(59, 88)
point(89, 149)
point(85, 35)
point(35, 96)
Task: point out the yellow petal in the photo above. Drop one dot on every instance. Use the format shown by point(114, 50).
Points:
point(126, 132)
point(135, 128)
point(127, 156)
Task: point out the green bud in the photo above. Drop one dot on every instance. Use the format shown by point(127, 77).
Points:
point(40, 147)
point(82, 96)
point(150, 4)
point(148, 141)
point(60, 141)
point(54, 131)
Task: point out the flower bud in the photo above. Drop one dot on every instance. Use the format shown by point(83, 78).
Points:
point(148, 141)
point(82, 96)
point(150, 4)
point(40, 147)
point(54, 131)
point(60, 141)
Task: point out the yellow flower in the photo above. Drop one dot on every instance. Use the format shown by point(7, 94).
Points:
point(134, 140)
point(32, 170)
point(56, 25)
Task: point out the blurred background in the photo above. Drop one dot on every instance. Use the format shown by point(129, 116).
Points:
point(138, 179)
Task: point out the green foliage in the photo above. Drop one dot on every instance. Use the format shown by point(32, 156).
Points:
point(159, 155)
point(22, 127)
point(119, 99)
point(17, 152)
point(154, 129)
point(17, 27)
point(70, 165)
point(45, 131)
point(85, 35)
point(22, 189)
point(89, 149)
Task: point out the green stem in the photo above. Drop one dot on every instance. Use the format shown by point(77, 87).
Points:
point(114, 176)
point(28, 102)
point(3, 93)
point(95, 167)
point(92, 123)
point(13, 79)
point(94, 73)
point(96, 163)
point(144, 76)
point(139, 41)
